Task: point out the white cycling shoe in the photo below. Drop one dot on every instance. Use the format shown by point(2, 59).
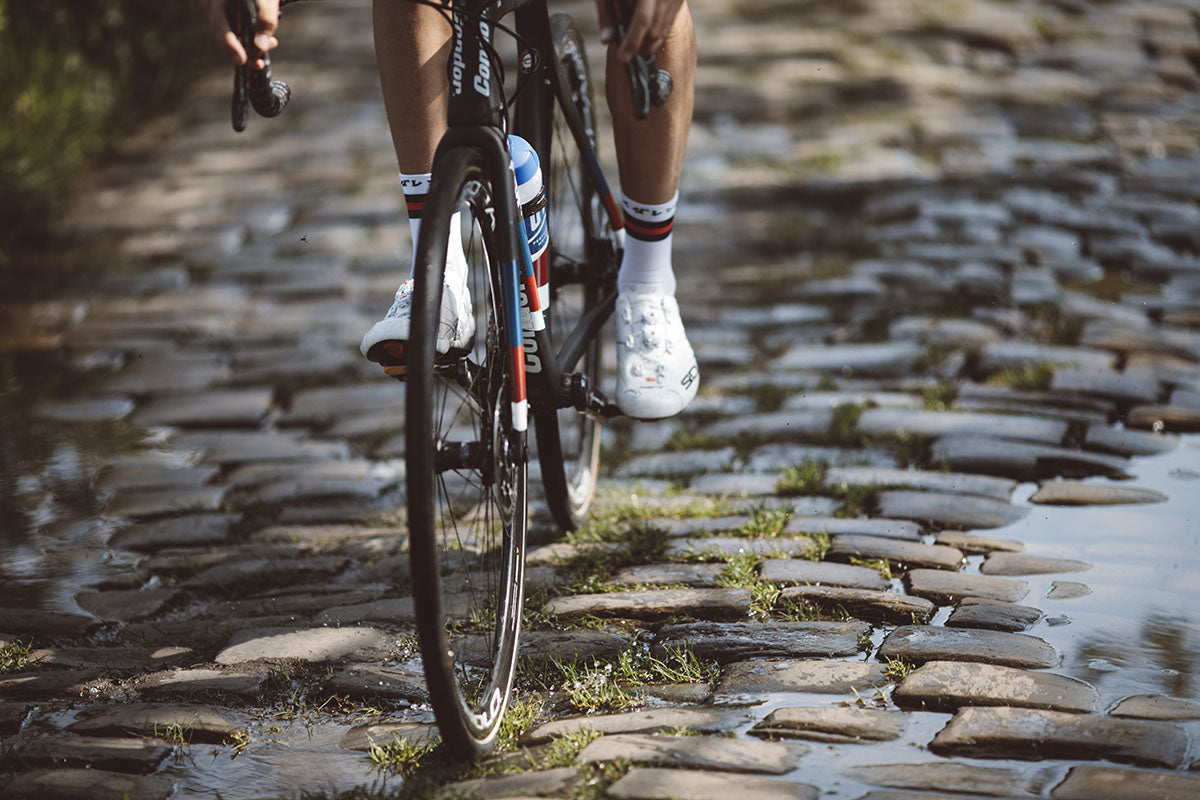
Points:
point(657, 374)
point(385, 342)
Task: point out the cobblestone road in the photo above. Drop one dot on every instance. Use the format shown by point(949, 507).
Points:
point(928, 532)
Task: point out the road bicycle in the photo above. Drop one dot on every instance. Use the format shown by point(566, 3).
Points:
point(538, 344)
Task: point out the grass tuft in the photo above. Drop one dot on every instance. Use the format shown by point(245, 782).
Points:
point(897, 668)
point(881, 565)
point(1031, 376)
point(805, 478)
point(401, 756)
point(767, 522)
point(14, 656)
point(518, 719)
point(939, 396)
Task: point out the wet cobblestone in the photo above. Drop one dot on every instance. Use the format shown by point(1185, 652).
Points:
point(940, 261)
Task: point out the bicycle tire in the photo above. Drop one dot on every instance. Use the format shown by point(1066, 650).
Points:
point(568, 441)
point(467, 475)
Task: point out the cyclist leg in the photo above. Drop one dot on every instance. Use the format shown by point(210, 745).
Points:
point(412, 44)
point(650, 151)
point(657, 372)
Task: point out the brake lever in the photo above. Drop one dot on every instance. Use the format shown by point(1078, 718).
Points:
point(267, 97)
point(649, 85)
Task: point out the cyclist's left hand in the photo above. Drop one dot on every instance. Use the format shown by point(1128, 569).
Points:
point(264, 39)
point(647, 30)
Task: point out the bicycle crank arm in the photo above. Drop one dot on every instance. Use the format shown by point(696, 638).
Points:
point(586, 399)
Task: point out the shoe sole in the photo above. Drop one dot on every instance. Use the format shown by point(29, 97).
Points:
point(390, 354)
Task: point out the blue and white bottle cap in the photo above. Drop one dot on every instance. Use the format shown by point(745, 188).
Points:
point(524, 158)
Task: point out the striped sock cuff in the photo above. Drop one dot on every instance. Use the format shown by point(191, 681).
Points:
point(415, 188)
point(649, 222)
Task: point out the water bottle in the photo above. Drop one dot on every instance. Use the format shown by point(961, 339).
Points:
point(531, 196)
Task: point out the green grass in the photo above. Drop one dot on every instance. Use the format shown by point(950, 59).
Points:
point(594, 779)
point(400, 756)
point(293, 690)
point(14, 656)
point(740, 571)
point(239, 740)
point(606, 686)
point(844, 428)
point(764, 521)
point(686, 439)
point(939, 396)
point(1032, 376)
point(176, 735)
point(897, 668)
point(806, 478)
point(562, 749)
point(518, 719)
point(819, 546)
point(855, 500)
point(933, 356)
point(763, 597)
point(880, 565)
point(809, 611)
point(594, 689)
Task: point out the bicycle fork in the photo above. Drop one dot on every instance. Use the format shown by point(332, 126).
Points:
point(518, 288)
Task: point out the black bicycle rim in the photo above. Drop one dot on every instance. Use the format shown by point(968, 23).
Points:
point(467, 477)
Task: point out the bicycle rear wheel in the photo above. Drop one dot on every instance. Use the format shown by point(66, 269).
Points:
point(467, 475)
point(581, 267)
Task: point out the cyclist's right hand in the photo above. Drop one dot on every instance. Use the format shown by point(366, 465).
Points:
point(264, 39)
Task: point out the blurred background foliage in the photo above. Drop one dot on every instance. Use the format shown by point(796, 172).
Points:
point(74, 77)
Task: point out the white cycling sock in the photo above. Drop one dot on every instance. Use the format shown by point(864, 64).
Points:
point(416, 187)
point(648, 232)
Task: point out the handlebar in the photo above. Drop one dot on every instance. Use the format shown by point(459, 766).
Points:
point(267, 97)
point(649, 85)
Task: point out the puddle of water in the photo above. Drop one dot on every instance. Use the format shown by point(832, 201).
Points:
point(52, 538)
point(285, 763)
point(1139, 629)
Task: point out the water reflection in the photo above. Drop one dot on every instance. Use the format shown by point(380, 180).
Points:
point(1162, 658)
point(52, 537)
point(1139, 630)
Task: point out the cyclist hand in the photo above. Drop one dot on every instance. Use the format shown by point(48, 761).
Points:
point(268, 19)
point(646, 31)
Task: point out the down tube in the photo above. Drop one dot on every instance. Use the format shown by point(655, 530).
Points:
point(509, 285)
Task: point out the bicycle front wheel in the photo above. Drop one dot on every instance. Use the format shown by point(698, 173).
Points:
point(467, 472)
point(580, 269)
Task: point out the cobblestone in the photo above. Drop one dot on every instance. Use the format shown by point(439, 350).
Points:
point(843, 725)
point(1088, 782)
point(197, 723)
point(693, 752)
point(946, 685)
point(920, 644)
point(669, 784)
point(946, 776)
point(1000, 732)
point(753, 678)
point(741, 641)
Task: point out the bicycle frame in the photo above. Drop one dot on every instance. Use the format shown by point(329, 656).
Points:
point(477, 118)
